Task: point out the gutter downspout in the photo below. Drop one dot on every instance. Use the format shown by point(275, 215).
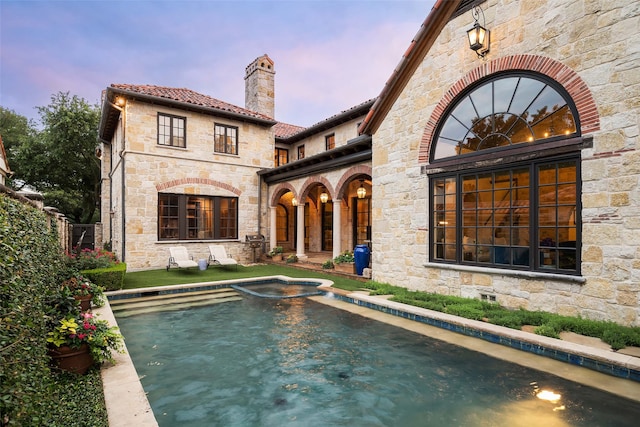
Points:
point(122, 164)
point(124, 210)
point(104, 141)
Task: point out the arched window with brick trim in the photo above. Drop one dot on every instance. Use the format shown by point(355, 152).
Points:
point(505, 177)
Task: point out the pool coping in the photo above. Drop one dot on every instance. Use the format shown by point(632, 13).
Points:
point(127, 402)
point(601, 360)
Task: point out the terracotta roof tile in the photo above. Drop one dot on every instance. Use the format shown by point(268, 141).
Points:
point(285, 130)
point(189, 97)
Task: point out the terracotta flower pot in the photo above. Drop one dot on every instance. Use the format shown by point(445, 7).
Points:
point(85, 302)
point(76, 360)
point(345, 267)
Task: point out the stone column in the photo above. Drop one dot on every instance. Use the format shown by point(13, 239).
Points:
point(337, 236)
point(273, 236)
point(300, 233)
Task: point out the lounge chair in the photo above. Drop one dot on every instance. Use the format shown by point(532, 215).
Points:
point(179, 257)
point(218, 255)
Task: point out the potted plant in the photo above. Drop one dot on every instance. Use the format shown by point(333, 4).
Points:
point(84, 291)
point(327, 265)
point(78, 341)
point(276, 253)
point(291, 259)
point(344, 262)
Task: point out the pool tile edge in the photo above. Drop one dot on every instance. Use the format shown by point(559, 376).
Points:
point(605, 361)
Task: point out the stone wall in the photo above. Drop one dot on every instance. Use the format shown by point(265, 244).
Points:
point(596, 40)
point(196, 169)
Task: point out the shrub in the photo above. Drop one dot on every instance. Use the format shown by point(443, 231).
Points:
point(466, 311)
point(90, 259)
point(32, 267)
point(277, 250)
point(291, 259)
point(548, 324)
point(327, 265)
point(346, 256)
point(110, 278)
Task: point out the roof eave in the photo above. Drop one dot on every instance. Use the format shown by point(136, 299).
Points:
point(329, 123)
point(355, 151)
point(112, 92)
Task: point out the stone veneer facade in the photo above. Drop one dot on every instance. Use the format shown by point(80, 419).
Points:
point(150, 169)
point(591, 47)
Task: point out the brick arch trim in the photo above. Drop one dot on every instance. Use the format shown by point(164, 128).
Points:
point(279, 190)
point(199, 181)
point(569, 79)
point(309, 183)
point(348, 175)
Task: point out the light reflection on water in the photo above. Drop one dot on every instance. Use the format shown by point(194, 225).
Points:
point(262, 362)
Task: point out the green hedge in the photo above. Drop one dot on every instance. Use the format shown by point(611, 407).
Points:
point(548, 324)
point(110, 278)
point(31, 268)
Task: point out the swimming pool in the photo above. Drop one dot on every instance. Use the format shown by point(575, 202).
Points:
point(264, 362)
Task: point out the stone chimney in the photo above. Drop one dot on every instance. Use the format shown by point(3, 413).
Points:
point(259, 82)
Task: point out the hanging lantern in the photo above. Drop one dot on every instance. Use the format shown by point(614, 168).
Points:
point(324, 197)
point(361, 192)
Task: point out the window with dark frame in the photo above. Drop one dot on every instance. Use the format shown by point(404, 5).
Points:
point(281, 156)
point(301, 152)
point(522, 215)
point(187, 217)
point(330, 141)
point(522, 218)
point(225, 139)
point(172, 130)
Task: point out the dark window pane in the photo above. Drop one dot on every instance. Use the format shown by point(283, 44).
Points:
point(225, 139)
point(503, 112)
point(183, 217)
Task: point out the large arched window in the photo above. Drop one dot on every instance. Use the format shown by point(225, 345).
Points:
point(511, 199)
point(515, 109)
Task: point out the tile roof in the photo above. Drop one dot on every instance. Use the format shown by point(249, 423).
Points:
point(188, 96)
point(281, 130)
point(285, 130)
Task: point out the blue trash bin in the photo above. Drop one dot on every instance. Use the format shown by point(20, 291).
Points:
point(361, 255)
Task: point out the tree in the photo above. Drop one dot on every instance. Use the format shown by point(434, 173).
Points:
point(16, 130)
point(60, 160)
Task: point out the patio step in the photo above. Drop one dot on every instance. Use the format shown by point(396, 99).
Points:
point(168, 302)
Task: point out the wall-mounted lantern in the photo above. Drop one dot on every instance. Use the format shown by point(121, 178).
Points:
point(294, 202)
point(479, 36)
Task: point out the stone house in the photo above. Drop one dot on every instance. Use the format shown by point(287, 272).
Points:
point(179, 167)
point(507, 173)
point(512, 175)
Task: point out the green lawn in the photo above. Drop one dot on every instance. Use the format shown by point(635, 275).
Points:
point(149, 278)
point(547, 323)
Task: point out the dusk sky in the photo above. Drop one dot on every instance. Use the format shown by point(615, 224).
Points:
point(329, 55)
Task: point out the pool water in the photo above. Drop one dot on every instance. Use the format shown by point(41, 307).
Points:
point(295, 362)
